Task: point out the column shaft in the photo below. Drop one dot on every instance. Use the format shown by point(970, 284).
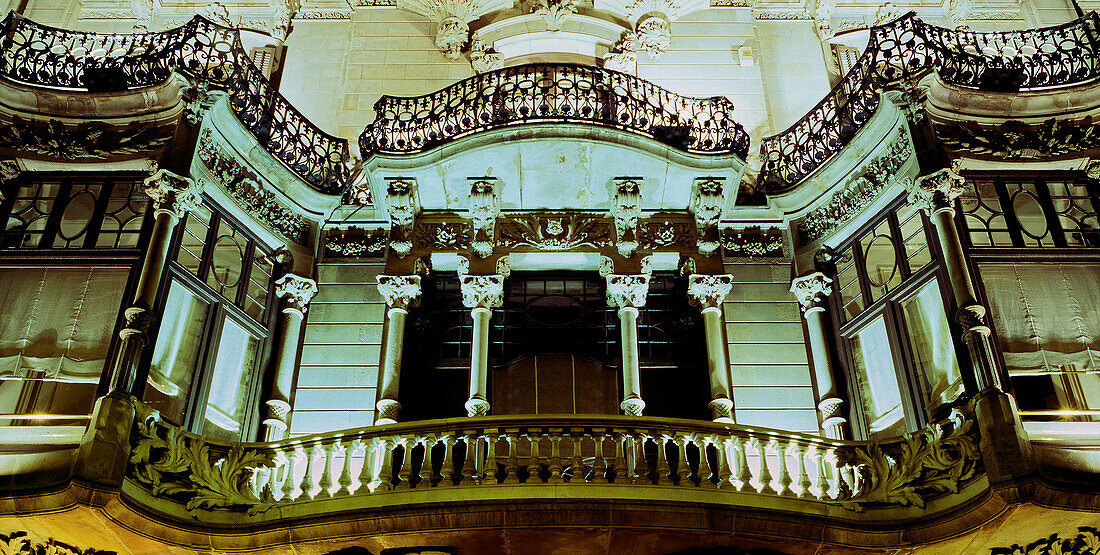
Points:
point(478, 403)
point(388, 387)
point(718, 370)
point(632, 403)
point(286, 364)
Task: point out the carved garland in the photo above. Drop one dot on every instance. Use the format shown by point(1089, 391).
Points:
point(1086, 542)
point(1017, 140)
point(18, 543)
point(245, 189)
point(861, 191)
point(357, 245)
point(752, 243)
point(94, 139)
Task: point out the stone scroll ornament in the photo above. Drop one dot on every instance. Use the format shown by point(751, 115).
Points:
point(182, 466)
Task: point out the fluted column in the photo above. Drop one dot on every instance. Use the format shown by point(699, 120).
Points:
point(628, 294)
point(811, 291)
point(708, 292)
point(401, 294)
point(1006, 449)
point(295, 292)
point(480, 294)
point(105, 447)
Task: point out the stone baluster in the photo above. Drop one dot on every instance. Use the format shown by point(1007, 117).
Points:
point(741, 447)
point(640, 465)
point(376, 453)
point(812, 291)
point(480, 294)
point(295, 292)
point(708, 292)
point(105, 448)
point(600, 468)
point(628, 294)
point(426, 471)
point(401, 294)
point(471, 468)
point(622, 471)
point(822, 475)
point(325, 483)
point(511, 468)
point(490, 471)
point(555, 466)
point(446, 470)
point(725, 469)
point(261, 477)
point(404, 472)
point(534, 464)
point(803, 475)
point(683, 467)
point(291, 454)
point(344, 481)
point(664, 471)
point(785, 481)
point(1006, 449)
point(307, 479)
point(765, 468)
point(577, 464)
point(705, 471)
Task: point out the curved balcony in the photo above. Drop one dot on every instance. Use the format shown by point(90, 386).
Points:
point(563, 93)
point(512, 457)
point(211, 55)
point(907, 49)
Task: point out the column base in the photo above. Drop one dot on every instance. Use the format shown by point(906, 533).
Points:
point(633, 406)
point(104, 450)
point(388, 409)
point(1006, 449)
point(721, 408)
point(477, 407)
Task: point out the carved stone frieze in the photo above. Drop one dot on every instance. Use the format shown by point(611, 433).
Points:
point(1086, 542)
point(484, 209)
point(296, 291)
point(623, 56)
point(708, 199)
point(402, 206)
point(823, 18)
point(173, 193)
point(626, 208)
point(709, 291)
point(94, 140)
point(811, 290)
point(244, 188)
point(886, 12)
point(482, 291)
point(554, 231)
point(353, 244)
point(442, 236)
point(626, 290)
point(861, 191)
point(664, 234)
point(752, 242)
point(400, 291)
point(1017, 140)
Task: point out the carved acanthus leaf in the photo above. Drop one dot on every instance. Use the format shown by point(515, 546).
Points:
point(708, 199)
point(484, 209)
point(296, 290)
point(627, 291)
point(554, 231)
point(482, 291)
point(709, 291)
point(400, 291)
point(173, 193)
point(812, 289)
point(626, 208)
point(402, 206)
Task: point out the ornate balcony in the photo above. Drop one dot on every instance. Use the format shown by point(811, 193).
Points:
point(561, 93)
point(907, 49)
point(211, 55)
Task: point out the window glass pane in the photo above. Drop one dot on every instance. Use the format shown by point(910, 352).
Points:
point(227, 261)
point(56, 327)
point(196, 225)
point(848, 278)
point(27, 220)
point(915, 238)
point(77, 215)
point(175, 356)
point(933, 349)
point(1029, 213)
point(877, 380)
point(259, 281)
point(880, 260)
point(230, 383)
point(983, 215)
point(125, 213)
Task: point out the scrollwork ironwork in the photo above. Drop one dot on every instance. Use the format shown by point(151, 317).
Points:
point(206, 52)
point(903, 51)
point(569, 93)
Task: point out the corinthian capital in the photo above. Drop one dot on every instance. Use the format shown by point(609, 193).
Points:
point(709, 291)
point(811, 290)
point(297, 291)
point(482, 291)
point(400, 291)
point(936, 191)
point(173, 193)
point(627, 291)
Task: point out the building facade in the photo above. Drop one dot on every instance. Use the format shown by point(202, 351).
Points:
point(551, 276)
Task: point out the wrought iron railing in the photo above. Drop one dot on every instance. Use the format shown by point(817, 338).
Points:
point(534, 450)
point(905, 50)
point(569, 93)
point(210, 54)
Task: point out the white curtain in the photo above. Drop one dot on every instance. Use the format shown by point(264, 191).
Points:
point(56, 322)
point(933, 349)
point(1047, 315)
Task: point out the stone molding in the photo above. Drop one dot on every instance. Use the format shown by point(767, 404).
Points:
point(400, 291)
point(709, 291)
point(173, 194)
point(811, 290)
point(296, 291)
point(627, 291)
point(482, 291)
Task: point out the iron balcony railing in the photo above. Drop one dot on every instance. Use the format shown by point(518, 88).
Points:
point(209, 54)
point(905, 50)
point(568, 93)
point(488, 452)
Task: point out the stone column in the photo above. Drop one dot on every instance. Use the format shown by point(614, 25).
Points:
point(296, 292)
point(708, 292)
point(105, 447)
point(480, 294)
point(1006, 450)
point(401, 294)
point(628, 293)
point(811, 291)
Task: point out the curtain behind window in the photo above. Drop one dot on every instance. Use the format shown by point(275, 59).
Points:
point(57, 322)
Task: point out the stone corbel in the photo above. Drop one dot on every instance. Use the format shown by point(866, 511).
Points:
point(173, 194)
point(452, 16)
point(936, 191)
point(296, 292)
point(626, 208)
point(623, 56)
point(654, 35)
point(402, 205)
point(823, 19)
point(708, 198)
point(484, 209)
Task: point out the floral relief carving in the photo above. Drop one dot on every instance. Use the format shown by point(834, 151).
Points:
point(708, 199)
point(442, 236)
point(626, 209)
point(373, 243)
point(627, 291)
point(1017, 140)
point(19, 543)
point(92, 139)
point(560, 231)
point(1086, 542)
point(752, 242)
point(555, 12)
point(665, 234)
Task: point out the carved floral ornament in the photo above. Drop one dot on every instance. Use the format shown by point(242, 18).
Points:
point(402, 206)
point(482, 291)
point(296, 291)
point(171, 193)
point(400, 291)
point(627, 291)
point(936, 191)
point(752, 242)
point(555, 12)
point(708, 199)
point(811, 290)
point(556, 232)
point(483, 58)
point(709, 291)
point(19, 543)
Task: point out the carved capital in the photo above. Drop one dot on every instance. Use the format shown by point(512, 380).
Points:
point(484, 209)
point(402, 206)
point(400, 291)
point(627, 291)
point(709, 291)
point(708, 198)
point(173, 193)
point(936, 191)
point(297, 291)
point(482, 291)
point(811, 290)
point(626, 208)
point(1093, 170)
